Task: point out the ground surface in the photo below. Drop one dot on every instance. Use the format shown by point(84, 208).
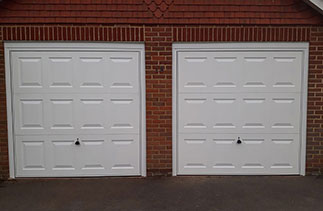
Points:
point(172, 193)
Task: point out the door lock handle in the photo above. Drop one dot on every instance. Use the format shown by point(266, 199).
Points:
point(239, 141)
point(77, 142)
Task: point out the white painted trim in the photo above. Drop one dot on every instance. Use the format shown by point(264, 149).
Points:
point(316, 4)
point(278, 46)
point(77, 46)
point(9, 113)
point(241, 45)
point(174, 109)
point(143, 111)
point(304, 111)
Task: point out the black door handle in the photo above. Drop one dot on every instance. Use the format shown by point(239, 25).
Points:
point(239, 141)
point(77, 142)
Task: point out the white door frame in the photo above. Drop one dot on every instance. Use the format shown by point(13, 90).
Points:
point(272, 46)
point(77, 46)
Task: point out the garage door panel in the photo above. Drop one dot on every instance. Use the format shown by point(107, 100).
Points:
point(76, 112)
point(229, 94)
point(123, 116)
point(91, 113)
point(288, 66)
point(28, 74)
point(63, 158)
point(195, 120)
point(270, 112)
point(220, 154)
point(254, 113)
point(199, 68)
point(196, 66)
point(90, 68)
point(197, 113)
point(255, 72)
point(45, 72)
point(60, 71)
point(190, 158)
point(30, 155)
point(99, 114)
point(124, 145)
point(239, 113)
point(108, 114)
point(284, 115)
point(30, 114)
point(94, 147)
point(57, 155)
point(75, 72)
point(240, 71)
point(123, 72)
point(61, 113)
point(260, 70)
point(51, 156)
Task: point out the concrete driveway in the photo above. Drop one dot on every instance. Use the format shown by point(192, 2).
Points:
point(172, 193)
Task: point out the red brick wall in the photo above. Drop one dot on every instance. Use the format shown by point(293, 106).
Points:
point(220, 12)
point(158, 41)
point(315, 103)
point(4, 167)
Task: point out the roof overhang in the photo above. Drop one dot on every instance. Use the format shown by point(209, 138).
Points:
point(316, 4)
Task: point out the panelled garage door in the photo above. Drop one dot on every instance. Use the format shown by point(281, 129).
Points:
point(77, 112)
point(239, 110)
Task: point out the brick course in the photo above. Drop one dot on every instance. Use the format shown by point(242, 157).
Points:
point(158, 41)
point(222, 12)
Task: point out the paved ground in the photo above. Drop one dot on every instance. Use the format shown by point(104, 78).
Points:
point(173, 193)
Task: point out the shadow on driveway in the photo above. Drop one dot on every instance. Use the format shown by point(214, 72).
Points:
point(173, 193)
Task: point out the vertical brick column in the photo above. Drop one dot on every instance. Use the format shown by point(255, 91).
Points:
point(158, 49)
point(314, 158)
point(4, 167)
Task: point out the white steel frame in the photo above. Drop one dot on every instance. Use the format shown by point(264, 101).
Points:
point(74, 46)
point(271, 46)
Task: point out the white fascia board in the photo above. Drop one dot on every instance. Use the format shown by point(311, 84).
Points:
point(316, 4)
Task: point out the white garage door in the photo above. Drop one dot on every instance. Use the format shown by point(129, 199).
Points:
point(239, 110)
point(77, 112)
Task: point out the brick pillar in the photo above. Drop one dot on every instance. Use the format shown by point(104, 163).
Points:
point(158, 47)
point(4, 167)
point(314, 158)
